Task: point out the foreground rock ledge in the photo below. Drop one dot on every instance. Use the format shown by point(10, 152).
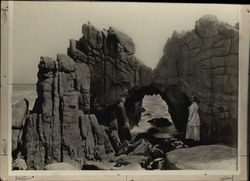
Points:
point(209, 157)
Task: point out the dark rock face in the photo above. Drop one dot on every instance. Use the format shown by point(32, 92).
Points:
point(203, 61)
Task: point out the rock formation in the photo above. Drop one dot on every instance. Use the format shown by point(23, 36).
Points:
point(79, 113)
point(194, 159)
point(20, 113)
point(87, 101)
point(203, 61)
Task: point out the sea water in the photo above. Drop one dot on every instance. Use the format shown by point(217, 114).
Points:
point(155, 108)
point(21, 91)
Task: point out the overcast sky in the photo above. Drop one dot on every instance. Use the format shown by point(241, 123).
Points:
point(44, 28)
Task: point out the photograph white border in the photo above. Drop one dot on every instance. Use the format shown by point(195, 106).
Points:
point(6, 89)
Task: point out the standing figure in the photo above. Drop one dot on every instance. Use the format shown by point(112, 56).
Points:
point(193, 125)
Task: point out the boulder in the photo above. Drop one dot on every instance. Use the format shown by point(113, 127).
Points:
point(65, 63)
point(19, 164)
point(61, 166)
point(129, 162)
point(142, 148)
point(120, 162)
point(207, 157)
point(20, 112)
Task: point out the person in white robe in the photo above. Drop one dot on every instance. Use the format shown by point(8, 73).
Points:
point(193, 124)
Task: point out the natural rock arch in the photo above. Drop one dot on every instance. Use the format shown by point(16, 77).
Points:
point(177, 103)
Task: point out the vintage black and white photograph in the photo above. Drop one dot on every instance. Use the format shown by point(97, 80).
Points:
point(124, 86)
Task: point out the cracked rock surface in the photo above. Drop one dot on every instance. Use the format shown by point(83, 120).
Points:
point(203, 61)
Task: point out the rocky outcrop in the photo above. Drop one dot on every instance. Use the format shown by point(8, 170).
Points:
point(203, 61)
point(89, 99)
point(80, 111)
point(206, 157)
point(114, 72)
point(113, 68)
point(58, 130)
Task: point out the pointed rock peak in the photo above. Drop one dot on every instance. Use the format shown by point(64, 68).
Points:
point(46, 63)
point(123, 39)
point(92, 35)
point(87, 28)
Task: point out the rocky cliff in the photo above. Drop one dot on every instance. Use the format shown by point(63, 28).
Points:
point(203, 61)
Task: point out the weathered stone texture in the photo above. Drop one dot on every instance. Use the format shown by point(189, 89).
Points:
point(203, 61)
point(60, 128)
point(113, 68)
point(20, 112)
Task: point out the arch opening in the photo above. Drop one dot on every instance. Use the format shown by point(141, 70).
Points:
point(152, 112)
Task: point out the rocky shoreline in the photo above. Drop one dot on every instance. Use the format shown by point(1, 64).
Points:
point(89, 100)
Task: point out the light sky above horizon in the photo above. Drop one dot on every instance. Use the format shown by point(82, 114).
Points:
point(44, 28)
